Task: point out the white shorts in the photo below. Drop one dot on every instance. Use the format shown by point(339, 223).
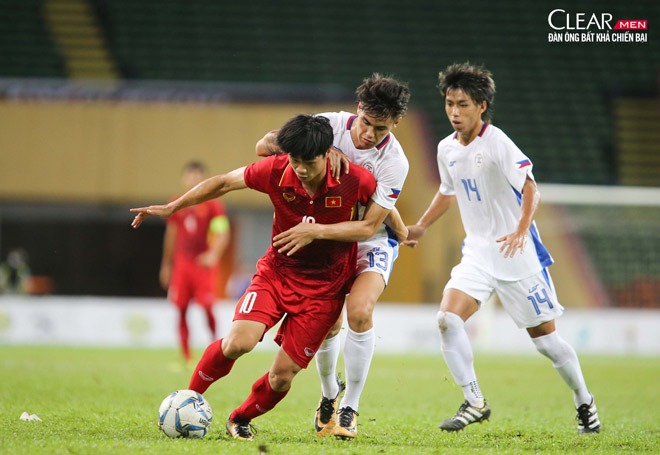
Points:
point(377, 255)
point(529, 301)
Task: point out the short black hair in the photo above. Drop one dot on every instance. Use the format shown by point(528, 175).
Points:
point(305, 137)
point(476, 81)
point(195, 166)
point(383, 97)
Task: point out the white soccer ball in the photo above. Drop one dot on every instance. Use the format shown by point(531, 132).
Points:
point(185, 414)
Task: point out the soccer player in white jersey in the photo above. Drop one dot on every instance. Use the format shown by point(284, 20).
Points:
point(366, 139)
point(492, 181)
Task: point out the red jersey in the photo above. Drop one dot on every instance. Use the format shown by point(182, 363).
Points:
point(323, 269)
point(193, 227)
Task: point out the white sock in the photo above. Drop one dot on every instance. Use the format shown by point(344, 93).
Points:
point(326, 365)
point(457, 352)
point(358, 352)
point(566, 362)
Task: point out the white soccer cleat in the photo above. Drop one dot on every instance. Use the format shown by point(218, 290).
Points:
point(587, 417)
point(466, 415)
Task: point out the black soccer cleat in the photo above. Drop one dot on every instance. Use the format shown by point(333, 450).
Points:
point(466, 415)
point(240, 429)
point(325, 418)
point(347, 425)
point(587, 417)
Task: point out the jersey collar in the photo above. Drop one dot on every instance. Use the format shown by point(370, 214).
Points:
point(290, 180)
point(481, 133)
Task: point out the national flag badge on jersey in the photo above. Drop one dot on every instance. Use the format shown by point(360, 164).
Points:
point(523, 163)
point(333, 201)
point(394, 193)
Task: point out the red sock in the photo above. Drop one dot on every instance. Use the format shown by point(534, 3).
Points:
point(212, 366)
point(210, 318)
point(261, 400)
point(183, 334)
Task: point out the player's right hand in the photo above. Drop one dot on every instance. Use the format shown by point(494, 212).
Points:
point(164, 276)
point(143, 213)
point(415, 232)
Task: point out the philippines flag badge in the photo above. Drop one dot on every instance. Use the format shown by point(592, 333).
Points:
point(523, 163)
point(394, 193)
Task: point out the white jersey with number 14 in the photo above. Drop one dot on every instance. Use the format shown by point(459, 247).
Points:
point(487, 177)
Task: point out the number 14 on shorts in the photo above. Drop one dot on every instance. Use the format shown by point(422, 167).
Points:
point(537, 299)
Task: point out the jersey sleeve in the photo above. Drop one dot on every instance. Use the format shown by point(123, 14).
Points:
point(446, 182)
point(515, 165)
point(335, 119)
point(258, 175)
point(390, 179)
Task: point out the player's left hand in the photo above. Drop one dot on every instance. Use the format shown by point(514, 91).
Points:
point(295, 238)
point(338, 162)
point(512, 243)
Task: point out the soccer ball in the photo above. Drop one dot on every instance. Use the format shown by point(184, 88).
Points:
point(185, 414)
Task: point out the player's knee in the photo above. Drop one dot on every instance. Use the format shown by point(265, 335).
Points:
point(235, 346)
point(360, 316)
point(448, 321)
point(280, 380)
point(334, 331)
point(553, 347)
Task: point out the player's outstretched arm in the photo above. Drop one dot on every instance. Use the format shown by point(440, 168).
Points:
point(348, 231)
point(395, 222)
point(438, 207)
point(528, 206)
point(267, 145)
point(211, 188)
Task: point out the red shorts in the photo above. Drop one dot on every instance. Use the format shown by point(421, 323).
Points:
point(307, 322)
point(191, 282)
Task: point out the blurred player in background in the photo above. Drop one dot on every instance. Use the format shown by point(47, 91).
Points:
point(366, 139)
point(305, 290)
point(497, 197)
point(15, 274)
point(195, 240)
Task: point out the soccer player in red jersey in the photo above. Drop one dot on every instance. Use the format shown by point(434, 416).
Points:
point(305, 289)
point(195, 239)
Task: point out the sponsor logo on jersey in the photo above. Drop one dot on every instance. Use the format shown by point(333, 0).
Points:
point(394, 193)
point(309, 352)
point(451, 163)
point(205, 376)
point(534, 288)
point(333, 201)
point(289, 197)
point(479, 160)
point(523, 163)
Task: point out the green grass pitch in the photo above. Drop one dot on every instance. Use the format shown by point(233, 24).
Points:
point(96, 401)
